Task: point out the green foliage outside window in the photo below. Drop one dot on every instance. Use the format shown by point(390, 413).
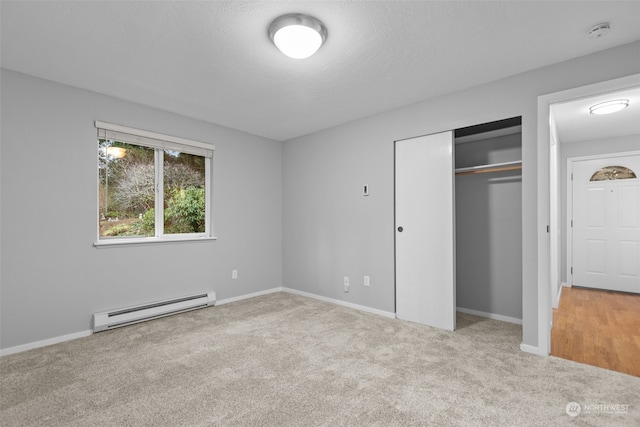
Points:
point(127, 191)
point(185, 211)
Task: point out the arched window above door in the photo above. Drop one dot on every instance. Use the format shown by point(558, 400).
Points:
point(610, 173)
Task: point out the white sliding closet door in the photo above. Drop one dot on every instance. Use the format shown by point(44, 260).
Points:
point(425, 263)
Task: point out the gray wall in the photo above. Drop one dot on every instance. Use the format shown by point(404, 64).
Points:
point(304, 200)
point(53, 279)
point(330, 230)
point(489, 229)
point(577, 149)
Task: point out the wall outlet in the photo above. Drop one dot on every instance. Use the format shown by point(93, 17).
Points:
point(346, 283)
point(367, 281)
point(234, 274)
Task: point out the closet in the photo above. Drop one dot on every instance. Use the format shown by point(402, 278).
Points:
point(488, 225)
point(458, 199)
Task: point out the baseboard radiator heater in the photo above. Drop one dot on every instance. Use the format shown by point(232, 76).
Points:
point(140, 313)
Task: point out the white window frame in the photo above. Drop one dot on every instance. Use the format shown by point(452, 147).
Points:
point(160, 143)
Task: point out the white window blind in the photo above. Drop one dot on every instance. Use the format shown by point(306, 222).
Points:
point(152, 139)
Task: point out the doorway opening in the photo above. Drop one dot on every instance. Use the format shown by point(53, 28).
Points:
point(559, 138)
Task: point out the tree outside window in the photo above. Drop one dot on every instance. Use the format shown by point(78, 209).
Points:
point(150, 191)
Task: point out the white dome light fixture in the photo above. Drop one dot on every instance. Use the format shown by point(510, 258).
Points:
point(609, 107)
point(296, 35)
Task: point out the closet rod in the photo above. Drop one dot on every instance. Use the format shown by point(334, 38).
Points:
point(495, 167)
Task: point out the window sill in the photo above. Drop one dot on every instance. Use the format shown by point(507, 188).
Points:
point(149, 241)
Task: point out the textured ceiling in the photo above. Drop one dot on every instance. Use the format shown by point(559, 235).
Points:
point(213, 60)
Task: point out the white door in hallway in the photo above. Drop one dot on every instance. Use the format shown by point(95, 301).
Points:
point(606, 223)
point(425, 269)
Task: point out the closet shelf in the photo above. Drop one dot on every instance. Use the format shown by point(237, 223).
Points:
point(495, 167)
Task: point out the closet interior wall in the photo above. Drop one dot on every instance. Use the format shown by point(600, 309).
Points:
point(488, 208)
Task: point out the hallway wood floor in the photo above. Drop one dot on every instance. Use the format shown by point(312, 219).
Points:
point(598, 327)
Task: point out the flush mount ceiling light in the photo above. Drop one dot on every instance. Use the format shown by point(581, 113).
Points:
point(297, 36)
point(609, 106)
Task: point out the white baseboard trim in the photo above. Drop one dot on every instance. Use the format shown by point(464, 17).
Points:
point(56, 340)
point(82, 334)
point(532, 349)
point(342, 303)
point(252, 295)
point(44, 343)
point(557, 301)
point(490, 315)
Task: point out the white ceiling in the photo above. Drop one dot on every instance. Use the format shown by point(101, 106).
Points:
point(213, 61)
point(574, 122)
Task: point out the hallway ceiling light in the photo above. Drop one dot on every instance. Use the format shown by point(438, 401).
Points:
point(609, 107)
point(297, 36)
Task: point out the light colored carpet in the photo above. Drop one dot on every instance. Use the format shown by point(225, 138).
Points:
point(282, 359)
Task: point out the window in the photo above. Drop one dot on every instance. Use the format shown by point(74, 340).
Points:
point(611, 173)
point(151, 187)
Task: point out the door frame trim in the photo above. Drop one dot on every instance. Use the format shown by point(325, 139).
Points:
point(569, 184)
